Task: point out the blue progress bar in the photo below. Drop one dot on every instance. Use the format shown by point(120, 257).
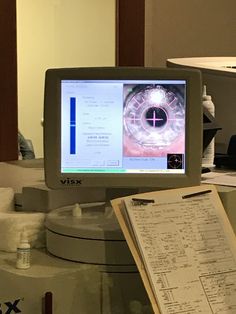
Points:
point(72, 124)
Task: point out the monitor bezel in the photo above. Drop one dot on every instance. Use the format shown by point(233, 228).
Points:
point(52, 128)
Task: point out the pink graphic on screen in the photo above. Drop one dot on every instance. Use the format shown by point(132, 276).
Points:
point(154, 120)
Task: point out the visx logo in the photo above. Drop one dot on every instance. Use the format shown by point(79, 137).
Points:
point(10, 307)
point(69, 181)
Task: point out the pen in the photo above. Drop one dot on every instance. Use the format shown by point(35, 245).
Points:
point(197, 194)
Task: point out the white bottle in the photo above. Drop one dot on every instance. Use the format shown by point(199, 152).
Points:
point(209, 153)
point(76, 211)
point(23, 252)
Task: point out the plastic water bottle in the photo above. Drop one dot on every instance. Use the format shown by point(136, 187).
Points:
point(209, 153)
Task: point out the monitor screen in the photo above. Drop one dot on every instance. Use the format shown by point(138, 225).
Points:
point(122, 127)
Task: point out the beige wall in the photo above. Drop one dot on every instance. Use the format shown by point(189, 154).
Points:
point(58, 33)
point(189, 28)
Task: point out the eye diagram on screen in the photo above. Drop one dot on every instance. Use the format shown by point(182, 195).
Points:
point(154, 120)
point(174, 161)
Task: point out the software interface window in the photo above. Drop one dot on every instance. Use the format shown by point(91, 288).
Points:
point(124, 126)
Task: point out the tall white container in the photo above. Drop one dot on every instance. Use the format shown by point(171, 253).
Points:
point(209, 153)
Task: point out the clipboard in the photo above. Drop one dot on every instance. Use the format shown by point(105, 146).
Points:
point(184, 248)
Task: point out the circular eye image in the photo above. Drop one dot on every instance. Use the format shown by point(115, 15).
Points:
point(174, 161)
point(154, 119)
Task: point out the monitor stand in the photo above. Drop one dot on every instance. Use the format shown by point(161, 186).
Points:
point(92, 236)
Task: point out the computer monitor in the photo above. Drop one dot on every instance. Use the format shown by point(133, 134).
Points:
point(119, 127)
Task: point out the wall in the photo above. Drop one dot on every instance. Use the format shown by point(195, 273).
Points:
point(189, 28)
point(57, 33)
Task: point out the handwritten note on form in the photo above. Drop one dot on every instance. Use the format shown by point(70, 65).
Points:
point(185, 250)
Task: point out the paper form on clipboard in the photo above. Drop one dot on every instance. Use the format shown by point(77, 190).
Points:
point(184, 248)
